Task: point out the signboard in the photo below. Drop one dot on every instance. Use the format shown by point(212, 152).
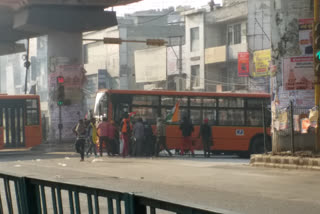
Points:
point(305, 37)
point(151, 64)
point(261, 60)
point(298, 73)
point(215, 54)
point(73, 75)
point(239, 132)
point(243, 64)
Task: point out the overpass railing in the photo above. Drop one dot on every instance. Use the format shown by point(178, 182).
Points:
point(25, 195)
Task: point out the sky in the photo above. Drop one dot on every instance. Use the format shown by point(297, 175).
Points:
point(160, 4)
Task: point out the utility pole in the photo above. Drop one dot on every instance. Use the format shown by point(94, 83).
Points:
point(180, 63)
point(317, 74)
point(27, 65)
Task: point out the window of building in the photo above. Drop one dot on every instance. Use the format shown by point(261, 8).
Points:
point(237, 33)
point(234, 34)
point(195, 76)
point(194, 36)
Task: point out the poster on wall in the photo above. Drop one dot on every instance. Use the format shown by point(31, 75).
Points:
point(243, 64)
point(298, 73)
point(305, 36)
point(261, 60)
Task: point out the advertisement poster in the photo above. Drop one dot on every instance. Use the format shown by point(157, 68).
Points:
point(298, 73)
point(305, 36)
point(73, 76)
point(261, 61)
point(243, 64)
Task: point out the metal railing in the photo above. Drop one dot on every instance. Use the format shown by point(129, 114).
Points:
point(25, 195)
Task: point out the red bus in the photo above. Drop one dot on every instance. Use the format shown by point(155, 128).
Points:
point(236, 119)
point(20, 121)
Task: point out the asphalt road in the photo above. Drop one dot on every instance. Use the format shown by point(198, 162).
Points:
point(221, 182)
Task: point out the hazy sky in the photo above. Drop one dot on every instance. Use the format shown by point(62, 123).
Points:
point(160, 4)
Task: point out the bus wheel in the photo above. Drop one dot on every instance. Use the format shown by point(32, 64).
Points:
point(257, 146)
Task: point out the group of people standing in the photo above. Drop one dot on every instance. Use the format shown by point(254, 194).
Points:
point(136, 139)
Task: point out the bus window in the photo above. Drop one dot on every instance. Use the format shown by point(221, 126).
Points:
point(231, 102)
point(32, 112)
point(231, 117)
point(209, 102)
point(145, 100)
point(254, 103)
point(195, 102)
point(254, 117)
point(166, 111)
point(146, 113)
point(183, 101)
point(1, 118)
point(171, 101)
point(167, 101)
point(195, 116)
point(211, 115)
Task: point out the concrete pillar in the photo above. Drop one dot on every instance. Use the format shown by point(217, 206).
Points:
point(65, 59)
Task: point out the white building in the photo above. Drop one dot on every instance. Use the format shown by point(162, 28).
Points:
point(213, 40)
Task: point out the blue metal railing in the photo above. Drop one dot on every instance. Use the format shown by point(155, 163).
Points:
point(33, 196)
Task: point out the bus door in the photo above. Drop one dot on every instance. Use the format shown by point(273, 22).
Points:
point(121, 104)
point(12, 117)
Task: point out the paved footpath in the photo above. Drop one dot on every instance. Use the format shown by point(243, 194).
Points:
point(223, 183)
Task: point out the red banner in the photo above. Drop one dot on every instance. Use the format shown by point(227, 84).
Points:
point(243, 64)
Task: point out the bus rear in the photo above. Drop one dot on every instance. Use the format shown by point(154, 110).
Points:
point(20, 121)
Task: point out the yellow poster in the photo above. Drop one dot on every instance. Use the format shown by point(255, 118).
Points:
point(261, 60)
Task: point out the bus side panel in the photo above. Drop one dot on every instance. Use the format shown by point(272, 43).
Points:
point(225, 138)
point(1, 138)
point(174, 137)
point(233, 138)
point(33, 135)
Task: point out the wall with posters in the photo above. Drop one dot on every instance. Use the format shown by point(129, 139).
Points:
point(291, 37)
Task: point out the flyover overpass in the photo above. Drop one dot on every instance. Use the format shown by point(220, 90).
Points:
point(20, 19)
point(63, 21)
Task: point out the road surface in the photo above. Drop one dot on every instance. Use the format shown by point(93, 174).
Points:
point(222, 182)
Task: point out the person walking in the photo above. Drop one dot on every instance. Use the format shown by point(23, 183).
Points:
point(138, 133)
point(161, 137)
point(148, 145)
point(186, 128)
point(111, 129)
point(126, 129)
point(103, 134)
point(206, 137)
point(80, 132)
point(92, 137)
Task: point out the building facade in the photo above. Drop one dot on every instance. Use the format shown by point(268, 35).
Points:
point(214, 38)
point(115, 63)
